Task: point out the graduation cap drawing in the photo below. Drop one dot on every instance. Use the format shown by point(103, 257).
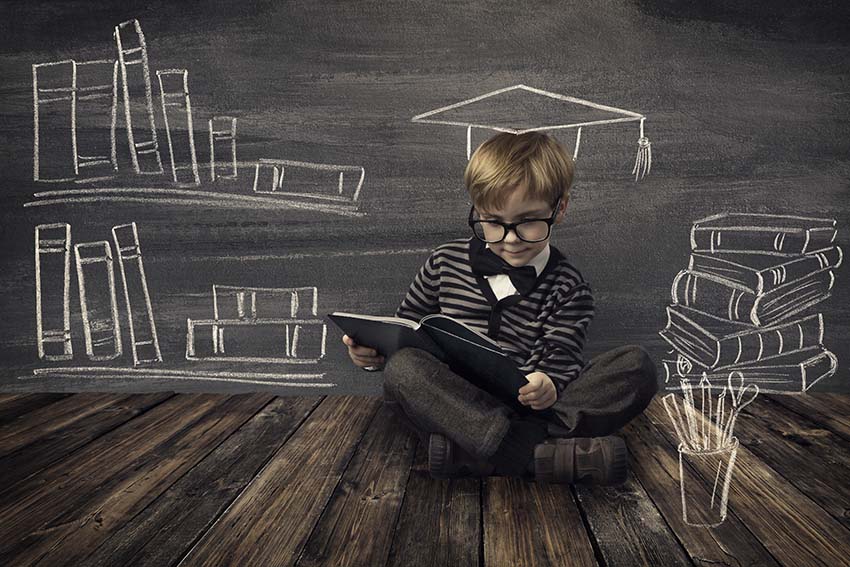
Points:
point(519, 109)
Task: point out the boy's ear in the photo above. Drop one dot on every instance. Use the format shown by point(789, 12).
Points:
point(562, 208)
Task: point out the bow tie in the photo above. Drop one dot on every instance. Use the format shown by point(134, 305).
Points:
point(485, 262)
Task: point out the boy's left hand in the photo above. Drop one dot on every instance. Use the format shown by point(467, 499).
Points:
point(539, 393)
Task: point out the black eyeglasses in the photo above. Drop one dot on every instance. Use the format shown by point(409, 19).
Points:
point(528, 230)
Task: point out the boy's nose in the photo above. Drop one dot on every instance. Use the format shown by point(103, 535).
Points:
point(511, 235)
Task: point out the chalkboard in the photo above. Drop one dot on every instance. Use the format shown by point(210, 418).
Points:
point(188, 189)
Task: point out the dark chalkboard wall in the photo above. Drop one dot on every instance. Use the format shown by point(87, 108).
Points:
point(746, 109)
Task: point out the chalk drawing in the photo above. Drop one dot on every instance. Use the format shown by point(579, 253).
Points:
point(707, 445)
point(52, 291)
point(254, 302)
point(501, 123)
point(274, 170)
point(300, 341)
point(187, 197)
point(261, 378)
point(223, 147)
point(96, 279)
point(96, 98)
point(136, 86)
point(177, 113)
point(143, 339)
point(743, 303)
point(54, 94)
point(259, 324)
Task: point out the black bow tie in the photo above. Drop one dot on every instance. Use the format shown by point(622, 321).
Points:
point(485, 262)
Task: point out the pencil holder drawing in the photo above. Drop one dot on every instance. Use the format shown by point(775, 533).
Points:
point(705, 506)
point(707, 447)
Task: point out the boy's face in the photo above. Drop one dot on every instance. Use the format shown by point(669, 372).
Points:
point(519, 207)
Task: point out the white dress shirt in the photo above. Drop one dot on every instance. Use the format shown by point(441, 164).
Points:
point(501, 283)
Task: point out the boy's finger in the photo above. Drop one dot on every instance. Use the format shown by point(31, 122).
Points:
point(364, 351)
point(369, 359)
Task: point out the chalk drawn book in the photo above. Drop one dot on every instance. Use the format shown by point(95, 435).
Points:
point(725, 299)
point(468, 353)
point(794, 372)
point(760, 273)
point(776, 235)
point(716, 343)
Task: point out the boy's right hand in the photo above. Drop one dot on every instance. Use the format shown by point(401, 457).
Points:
point(362, 356)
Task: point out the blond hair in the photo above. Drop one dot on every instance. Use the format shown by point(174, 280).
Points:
point(506, 162)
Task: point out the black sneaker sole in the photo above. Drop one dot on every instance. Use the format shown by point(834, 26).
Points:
point(606, 463)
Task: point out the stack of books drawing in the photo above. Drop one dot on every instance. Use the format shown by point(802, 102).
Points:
point(745, 302)
point(259, 325)
point(99, 306)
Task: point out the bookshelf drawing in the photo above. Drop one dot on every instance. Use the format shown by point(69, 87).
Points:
point(144, 343)
point(52, 291)
point(96, 279)
point(744, 303)
point(519, 109)
point(222, 147)
point(254, 324)
point(179, 130)
point(138, 100)
point(68, 94)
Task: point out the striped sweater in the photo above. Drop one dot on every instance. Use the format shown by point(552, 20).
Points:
point(545, 331)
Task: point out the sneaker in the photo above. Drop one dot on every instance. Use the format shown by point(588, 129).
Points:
point(446, 459)
point(597, 460)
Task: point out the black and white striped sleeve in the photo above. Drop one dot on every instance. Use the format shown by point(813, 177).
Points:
point(564, 335)
point(423, 295)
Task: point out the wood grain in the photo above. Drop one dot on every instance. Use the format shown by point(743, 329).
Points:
point(794, 529)
point(272, 519)
point(168, 528)
point(533, 524)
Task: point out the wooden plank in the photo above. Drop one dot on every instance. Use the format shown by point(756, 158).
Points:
point(815, 460)
point(164, 531)
point(655, 463)
point(272, 519)
point(440, 520)
point(533, 524)
point(58, 444)
point(16, 406)
point(627, 527)
point(96, 490)
point(817, 408)
point(356, 527)
point(794, 529)
point(44, 421)
point(836, 403)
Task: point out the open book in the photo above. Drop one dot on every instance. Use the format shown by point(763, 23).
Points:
point(468, 353)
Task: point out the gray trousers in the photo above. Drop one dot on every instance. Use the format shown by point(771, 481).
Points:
point(611, 390)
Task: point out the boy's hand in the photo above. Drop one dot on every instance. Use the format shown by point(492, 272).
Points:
point(539, 393)
point(362, 356)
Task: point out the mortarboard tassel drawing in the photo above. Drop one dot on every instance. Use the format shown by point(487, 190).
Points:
point(520, 109)
point(643, 159)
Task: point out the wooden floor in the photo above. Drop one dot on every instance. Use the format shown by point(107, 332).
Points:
point(255, 480)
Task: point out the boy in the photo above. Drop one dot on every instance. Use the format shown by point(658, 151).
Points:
point(508, 282)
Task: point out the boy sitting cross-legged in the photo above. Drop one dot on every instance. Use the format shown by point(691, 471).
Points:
point(508, 282)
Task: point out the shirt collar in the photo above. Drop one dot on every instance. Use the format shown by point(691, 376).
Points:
point(538, 262)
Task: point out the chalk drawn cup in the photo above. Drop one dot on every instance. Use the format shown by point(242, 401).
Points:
point(705, 477)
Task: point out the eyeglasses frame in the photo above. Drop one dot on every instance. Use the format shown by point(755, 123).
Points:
point(509, 226)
